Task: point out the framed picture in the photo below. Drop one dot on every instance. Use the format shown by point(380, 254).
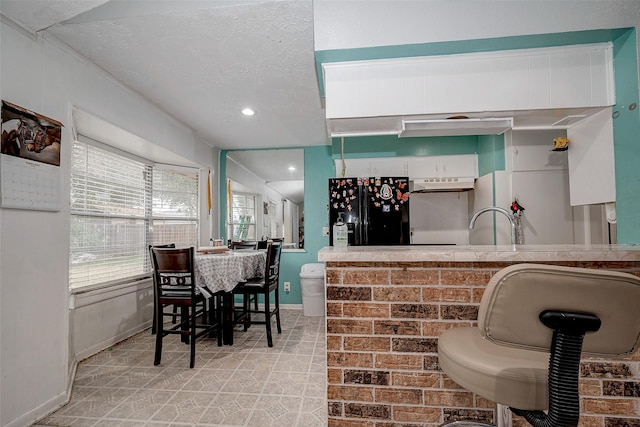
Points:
point(30, 135)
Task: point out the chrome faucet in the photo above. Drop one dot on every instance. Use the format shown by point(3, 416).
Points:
point(503, 211)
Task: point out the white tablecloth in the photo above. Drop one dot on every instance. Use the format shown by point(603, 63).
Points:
point(222, 272)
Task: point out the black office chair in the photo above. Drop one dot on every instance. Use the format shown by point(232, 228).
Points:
point(263, 286)
point(175, 285)
point(534, 323)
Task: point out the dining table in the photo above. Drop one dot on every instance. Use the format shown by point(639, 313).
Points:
point(219, 272)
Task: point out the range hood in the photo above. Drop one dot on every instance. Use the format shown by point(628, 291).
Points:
point(455, 126)
point(432, 185)
point(422, 126)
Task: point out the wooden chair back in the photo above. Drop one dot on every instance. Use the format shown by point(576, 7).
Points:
point(244, 245)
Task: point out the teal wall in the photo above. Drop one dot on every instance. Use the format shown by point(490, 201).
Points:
point(491, 155)
point(392, 146)
point(626, 131)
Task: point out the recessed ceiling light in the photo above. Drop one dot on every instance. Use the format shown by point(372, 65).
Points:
point(248, 112)
point(292, 168)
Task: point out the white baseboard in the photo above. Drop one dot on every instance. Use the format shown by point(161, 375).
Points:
point(41, 411)
point(96, 348)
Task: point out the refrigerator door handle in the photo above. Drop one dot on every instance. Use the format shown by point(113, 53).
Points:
point(364, 208)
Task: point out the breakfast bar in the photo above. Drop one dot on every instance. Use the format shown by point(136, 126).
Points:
point(387, 305)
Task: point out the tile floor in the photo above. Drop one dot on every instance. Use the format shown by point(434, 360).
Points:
point(247, 384)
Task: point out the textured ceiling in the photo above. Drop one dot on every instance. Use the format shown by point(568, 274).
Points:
point(201, 61)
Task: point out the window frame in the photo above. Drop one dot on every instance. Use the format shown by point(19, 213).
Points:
point(231, 224)
point(148, 217)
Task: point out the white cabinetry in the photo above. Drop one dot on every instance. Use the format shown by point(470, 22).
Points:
point(353, 167)
point(592, 172)
point(557, 77)
point(455, 166)
point(389, 166)
point(371, 167)
point(458, 166)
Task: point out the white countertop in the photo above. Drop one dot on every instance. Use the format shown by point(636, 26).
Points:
point(481, 253)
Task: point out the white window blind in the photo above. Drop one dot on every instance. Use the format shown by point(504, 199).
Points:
point(242, 217)
point(115, 207)
point(175, 208)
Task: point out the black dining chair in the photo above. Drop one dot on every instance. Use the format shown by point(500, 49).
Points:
point(264, 286)
point(251, 245)
point(175, 310)
point(175, 285)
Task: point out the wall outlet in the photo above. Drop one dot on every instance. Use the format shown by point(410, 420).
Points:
point(325, 231)
point(287, 286)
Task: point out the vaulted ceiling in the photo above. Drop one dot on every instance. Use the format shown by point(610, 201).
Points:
point(201, 61)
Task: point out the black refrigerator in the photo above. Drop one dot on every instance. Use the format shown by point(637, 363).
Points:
point(376, 210)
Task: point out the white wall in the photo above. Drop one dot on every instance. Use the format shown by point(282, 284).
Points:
point(35, 348)
point(482, 196)
point(439, 218)
point(362, 23)
point(540, 181)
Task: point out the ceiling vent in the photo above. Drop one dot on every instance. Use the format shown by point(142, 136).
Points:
point(455, 126)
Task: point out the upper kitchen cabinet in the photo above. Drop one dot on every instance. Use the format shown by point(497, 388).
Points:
point(454, 166)
point(463, 165)
point(475, 84)
point(372, 167)
point(591, 160)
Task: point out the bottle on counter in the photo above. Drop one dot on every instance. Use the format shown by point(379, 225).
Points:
point(340, 233)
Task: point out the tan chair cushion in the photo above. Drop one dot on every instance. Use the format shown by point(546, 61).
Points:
point(513, 377)
point(516, 295)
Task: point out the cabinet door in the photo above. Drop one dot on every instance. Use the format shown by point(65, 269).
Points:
point(388, 167)
point(354, 168)
point(464, 165)
point(424, 167)
point(591, 160)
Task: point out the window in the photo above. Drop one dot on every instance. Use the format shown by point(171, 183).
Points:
point(242, 217)
point(121, 205)
point(175, 207)
point(273, 222)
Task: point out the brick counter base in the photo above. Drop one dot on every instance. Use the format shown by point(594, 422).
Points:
point(383, 323)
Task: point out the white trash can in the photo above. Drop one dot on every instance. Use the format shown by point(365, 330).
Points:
point(312, 287)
